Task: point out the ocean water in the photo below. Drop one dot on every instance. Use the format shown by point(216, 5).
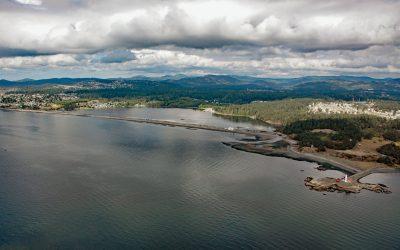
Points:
point(182, 116)
point(87, 183)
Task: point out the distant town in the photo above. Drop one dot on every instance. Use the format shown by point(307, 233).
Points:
point(352, 108)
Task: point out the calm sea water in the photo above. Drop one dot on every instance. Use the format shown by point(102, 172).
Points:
point(183, 116)
point(79, 182)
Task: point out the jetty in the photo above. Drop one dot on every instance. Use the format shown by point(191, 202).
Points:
point(352, 184)
point(266, 143)
point(232, 130)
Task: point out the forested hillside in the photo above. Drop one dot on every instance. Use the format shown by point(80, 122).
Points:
point(227, 89)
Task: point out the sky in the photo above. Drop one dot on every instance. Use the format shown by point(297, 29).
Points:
point(266, 38)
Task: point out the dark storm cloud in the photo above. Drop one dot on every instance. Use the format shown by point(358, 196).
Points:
point(249, 36)
point(114, 56)
point(10, 52)
point(299, 25)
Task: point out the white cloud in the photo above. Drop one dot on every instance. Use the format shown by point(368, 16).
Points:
point(29, 2)
point(255, 36)
point(59, 60)
point(337, 25)
point(374, 61)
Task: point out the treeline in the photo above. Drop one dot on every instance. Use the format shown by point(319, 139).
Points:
point(277, 112)
point(347, 132)
point(293, 115)
point(169, 91)
point(214, 94)
point(392, 135)
point(166, 93)
point(391, 152)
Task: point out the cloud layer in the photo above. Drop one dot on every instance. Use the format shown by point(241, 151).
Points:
point(226, 36)
point(29, 2)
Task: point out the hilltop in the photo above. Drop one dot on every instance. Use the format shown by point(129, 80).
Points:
point(227, 88)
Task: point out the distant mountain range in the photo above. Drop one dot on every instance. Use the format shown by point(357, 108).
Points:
point(342, 87)
point(206, 80)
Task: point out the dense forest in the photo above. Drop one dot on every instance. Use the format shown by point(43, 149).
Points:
point(334, 131)
point(391, 152)
point(193, 96)
point(219, 89)
point(276, 112)
point(346, 132)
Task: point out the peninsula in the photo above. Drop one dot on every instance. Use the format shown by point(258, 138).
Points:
point(267, 143)
point(332, 129)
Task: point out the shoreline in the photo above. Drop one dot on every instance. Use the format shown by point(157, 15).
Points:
point(290, 153)
point(252, 117)
point(251, 147)
point(293, 155)
point(350, 184)
point(261, 133)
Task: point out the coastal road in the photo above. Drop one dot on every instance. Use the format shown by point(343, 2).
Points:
point(321, 159)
